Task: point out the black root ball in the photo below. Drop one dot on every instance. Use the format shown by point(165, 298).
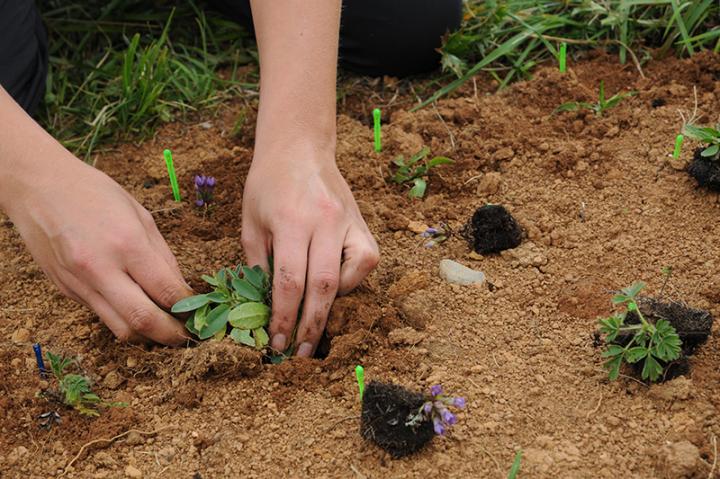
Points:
point(705, 170)
point(385, 411)
point(492, 229)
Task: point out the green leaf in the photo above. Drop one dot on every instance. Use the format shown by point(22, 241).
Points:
point(242, 336)
point(419, 155)
point(613, 366)
point(601, 96)
point(399, 161)
point(710, 151)
point(651, 369)
point(217, 297)
point(210, 280)
point(246, 290)
point(255, 277)
point(249, 316)
point(261, 338)
point(569, 106)
point(216, 321)
point(190, 303)
point(706, 135)
point(200, 318)
point(439, 160)
point(634, 289)
point(635, 354)
point(612, 351)
point(190, 325)
point(418, 191)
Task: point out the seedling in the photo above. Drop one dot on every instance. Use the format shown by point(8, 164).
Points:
point(600, 107)
point(74, 389)
point(410, 171)
point(240, 299)
point(377, 130)
point(204, 187)
point(707, 135)
point(639, 340)
point(171, 173)
point(435, 409)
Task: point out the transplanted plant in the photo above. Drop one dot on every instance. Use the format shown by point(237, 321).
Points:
point(75, 389)
point(415, 170)
point(707, 135)
point(240, 298)
point(602, 104)
point(639, 340)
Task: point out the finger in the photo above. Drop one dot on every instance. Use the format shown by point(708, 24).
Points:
point(255, 246)
point(360, 256)
point(323, 278)
point(164, 284)
point(137, 310)
point(157, 241)
point(290, 262)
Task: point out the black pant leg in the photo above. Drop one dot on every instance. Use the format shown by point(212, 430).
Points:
point(382, 37)
point(23, 52)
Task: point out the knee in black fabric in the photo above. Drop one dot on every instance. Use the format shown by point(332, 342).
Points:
point(23, 52)
point(395, 37)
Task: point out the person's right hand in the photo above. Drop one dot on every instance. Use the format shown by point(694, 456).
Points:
point(101, 248)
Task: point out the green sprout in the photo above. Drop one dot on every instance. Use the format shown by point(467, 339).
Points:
point(600, 107)
point(707, 135)
point(240, 298)
point(651, 343)
point(75, 390)
point(410, 171)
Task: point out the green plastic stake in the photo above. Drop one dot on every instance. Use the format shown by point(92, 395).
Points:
point(360, 375)
point(515, 466)
point(376, 125)
point(171, 173)
point(563, 57)
point(678, 146)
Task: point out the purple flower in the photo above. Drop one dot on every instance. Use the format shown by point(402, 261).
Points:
point(199, 202)
point(459, 402)
point(199, 181)
point(448, 417)
point(204, 186)
point(436, 390)
point(427, 408)
point(438, 426)
point(210, 181)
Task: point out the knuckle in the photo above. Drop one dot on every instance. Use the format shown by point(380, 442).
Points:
point(325, 282)
point(140, 319)
point(330, 209)
point(82, 259)
point(369, 259)
point(288, 283)
point(169, 294)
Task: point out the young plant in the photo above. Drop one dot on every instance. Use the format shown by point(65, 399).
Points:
point(415, 170)
point(204, 187)
point(240, 298)
point(653, 344)
point(75, 390)
point(600, 107)
point(707, 135)
point(435, 409)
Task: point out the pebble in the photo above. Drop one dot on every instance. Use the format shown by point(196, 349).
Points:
point(454, 272)
point(132, 471)
point(20, 336)
point(113, 380)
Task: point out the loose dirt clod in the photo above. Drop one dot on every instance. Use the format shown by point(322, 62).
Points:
point(705, 170)
point(492, 229)
point(386, 408)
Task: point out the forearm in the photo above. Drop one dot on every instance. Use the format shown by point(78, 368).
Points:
point(298, 44)
point(28, 154)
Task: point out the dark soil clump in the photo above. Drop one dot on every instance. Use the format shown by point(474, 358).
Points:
point(492, 229)
point(385, 410)
point(705, 170)
point(692, 325)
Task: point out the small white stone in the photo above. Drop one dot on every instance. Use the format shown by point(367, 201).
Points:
point(454, 272)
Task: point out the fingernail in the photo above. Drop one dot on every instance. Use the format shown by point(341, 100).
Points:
point(278, 342)
point(305, 350)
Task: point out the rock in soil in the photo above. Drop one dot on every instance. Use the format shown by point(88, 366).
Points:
point(705, 171)
point(454, 272)
point(492, 229)
point(405, 337)
point(678, 459)
point(20, 336)
point(385, 410)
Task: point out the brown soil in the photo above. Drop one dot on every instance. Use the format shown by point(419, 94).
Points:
point(602, 206)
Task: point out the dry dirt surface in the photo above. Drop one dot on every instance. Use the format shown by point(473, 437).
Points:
point(601, 204)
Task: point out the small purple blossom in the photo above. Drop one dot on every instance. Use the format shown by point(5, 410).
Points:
point(436, 390)
point(438, 426)
point(435, 235)
point(427, 408)
point(459, 402)
point(448, 417)
point(435, 409)
point(204, 186)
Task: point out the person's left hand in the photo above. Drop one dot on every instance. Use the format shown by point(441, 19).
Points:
point(298, 208)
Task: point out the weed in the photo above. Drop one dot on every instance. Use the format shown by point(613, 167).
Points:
point(707, 135)
point(602, 104)
point(240, 298)
point(652, 343)
point(75, 390)
point(410, 171)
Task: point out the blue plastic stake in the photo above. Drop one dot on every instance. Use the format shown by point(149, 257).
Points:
point(39, 359)
point(376, 127)
point(360, 375)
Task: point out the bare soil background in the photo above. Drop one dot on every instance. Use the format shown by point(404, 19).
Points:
point(601, 203)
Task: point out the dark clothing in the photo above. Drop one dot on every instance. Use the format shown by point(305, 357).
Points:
point(23, 52)
point(377, 37)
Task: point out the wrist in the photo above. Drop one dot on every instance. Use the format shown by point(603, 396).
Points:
point(295, 139)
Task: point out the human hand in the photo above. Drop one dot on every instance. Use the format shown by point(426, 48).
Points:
point(101, 248)
point(298, 208)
